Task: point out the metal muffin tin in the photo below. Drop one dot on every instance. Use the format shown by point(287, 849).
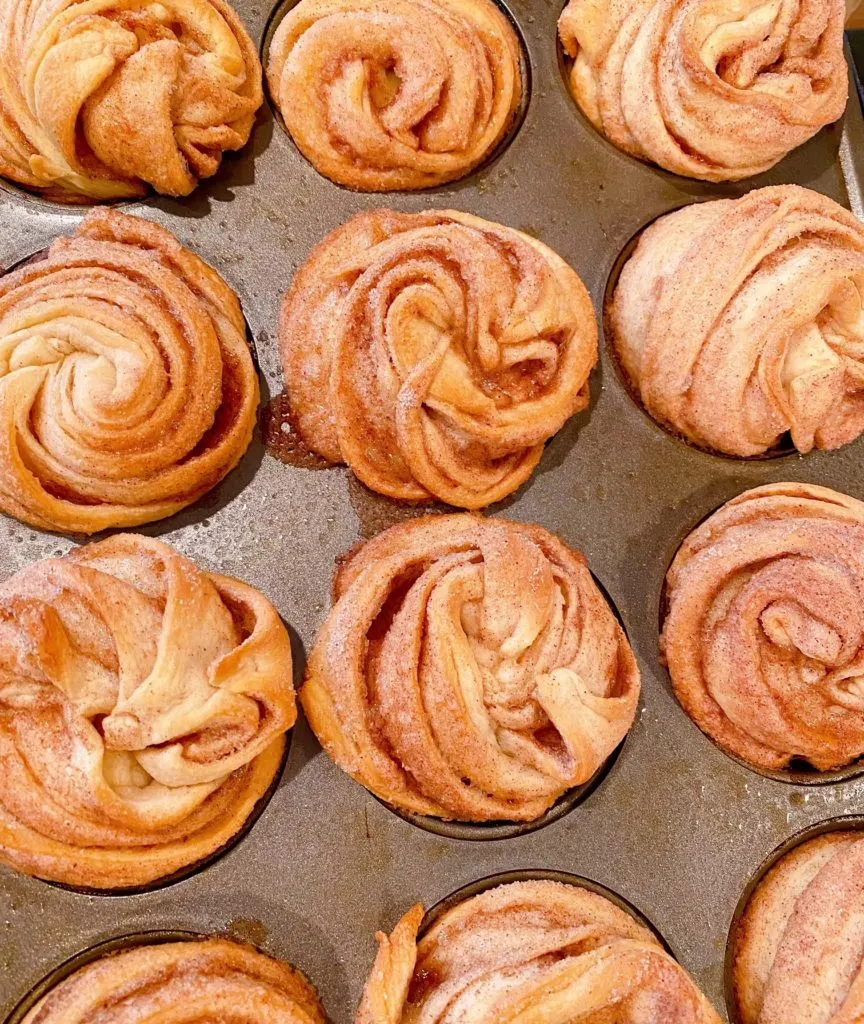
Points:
point(675, 827)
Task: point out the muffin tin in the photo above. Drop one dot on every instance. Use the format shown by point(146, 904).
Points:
point(675, 826)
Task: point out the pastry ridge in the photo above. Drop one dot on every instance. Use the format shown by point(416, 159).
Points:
point(397, 95)
point(101, 99)
point(181, 982)
point(798, 948)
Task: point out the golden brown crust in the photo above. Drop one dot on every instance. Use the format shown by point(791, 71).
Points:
point(764, 636)
point(470, 669)
point(798, 951)
point(435, 353)
point(105, 100)
point(737, 321)
point(398, 95)
point(127, 388)
point(718, 91)
point(182, 983)
point(529, 952)
point(143, 707)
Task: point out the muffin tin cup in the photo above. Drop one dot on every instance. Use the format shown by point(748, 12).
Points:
point(677, 825)
point(467, 892)
point(487, 831)
point(89, 956)
point(850, 823)
point(799, 772)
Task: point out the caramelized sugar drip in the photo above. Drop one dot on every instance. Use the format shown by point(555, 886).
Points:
point(282, 439)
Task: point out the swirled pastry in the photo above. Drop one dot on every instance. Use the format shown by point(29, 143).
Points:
point(402, 94)
point(764, 636)
point(799, 946)
point(529, 952)
point(181, 983)
point(740, 320)
point(471, 669)
point(127, 388)
point(143, 706)
point(711, 89)
point(105, 99)
point(435, 353)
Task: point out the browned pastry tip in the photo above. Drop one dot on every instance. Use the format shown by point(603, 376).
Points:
point(383, 95)
point(741, 320)
point(143, 711)
point(471, 669)
point(127, 387)
point(798, 949)
point(106, 100)
point(525, 953)
point(435, 353)
point(182, 983)
point(713, 89)
point(764, 636)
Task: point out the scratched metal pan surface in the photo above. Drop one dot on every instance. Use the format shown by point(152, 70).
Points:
point(676, 828)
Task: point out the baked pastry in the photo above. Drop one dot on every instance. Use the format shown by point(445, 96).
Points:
point(127, 388)
point(108, 101)
point(435, 353)
point(529, 951)
point(402, 94)
point(143, 707)
point(764, 635)
point(797, 950)
point(739, 320)
point(470, 668)
point(208, 979)
point(712, 89)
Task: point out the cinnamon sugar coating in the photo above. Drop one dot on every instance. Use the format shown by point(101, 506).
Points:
point(106, 99)
point(713, 89)
point(435, 353)
point(799, 946)
point(182, 983)
point(470, 669)
point(127, 387)
point(529, 952)
point(741, 320)
point(402, 94)
point(143, 707)
point(764, 636)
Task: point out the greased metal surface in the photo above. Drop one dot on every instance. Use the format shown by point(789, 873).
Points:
point(676, 827)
